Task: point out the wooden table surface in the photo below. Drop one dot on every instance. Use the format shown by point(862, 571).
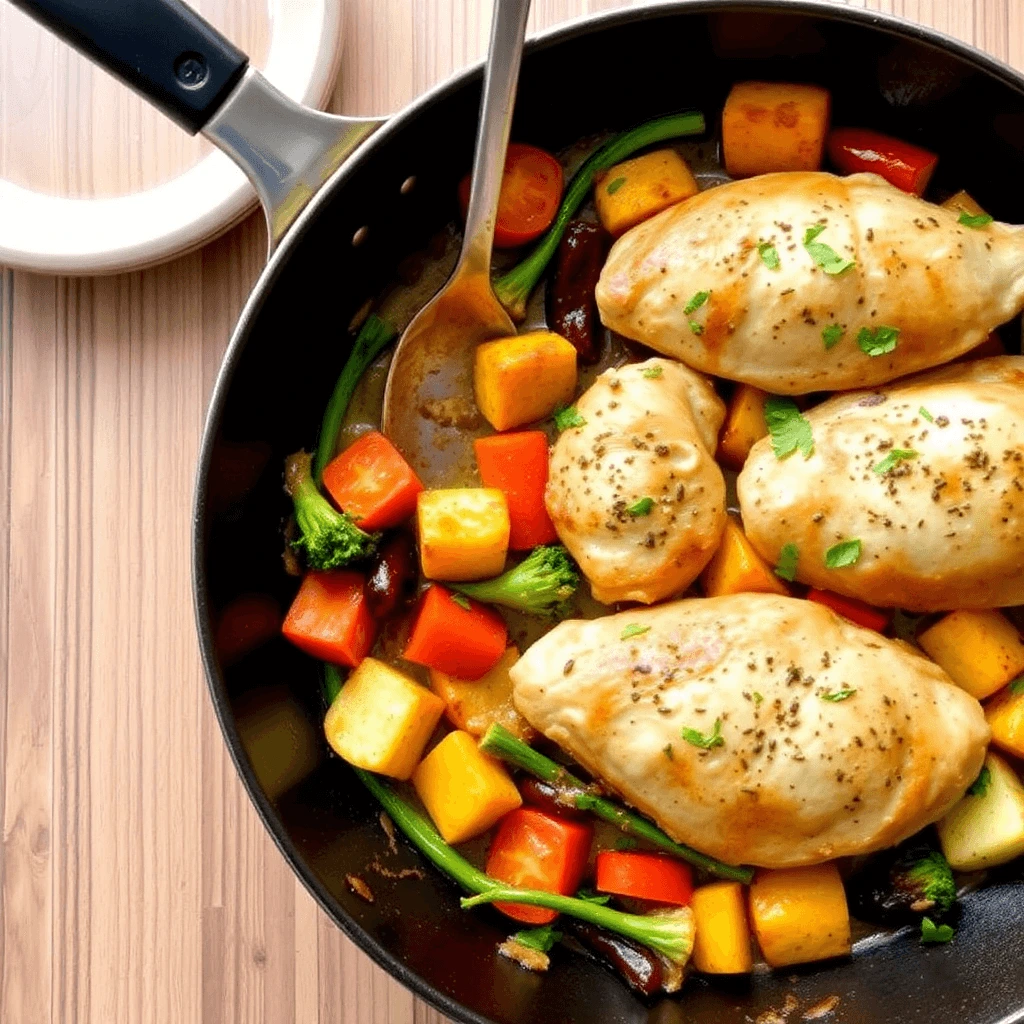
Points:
point(136, 883)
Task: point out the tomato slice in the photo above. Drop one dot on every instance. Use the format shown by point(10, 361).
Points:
point(850, 608)
point(531, 189)
point(645, 876)
point(537, 850)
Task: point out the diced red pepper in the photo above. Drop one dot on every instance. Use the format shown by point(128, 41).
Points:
point(536, 850)
point(850, 608)
point(330, 618)
point(902, 164)
point(645, 876)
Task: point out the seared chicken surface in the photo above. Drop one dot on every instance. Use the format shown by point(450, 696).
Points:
point(943, 286)
point(809, 737)
point(635, 493)
point(927, 475)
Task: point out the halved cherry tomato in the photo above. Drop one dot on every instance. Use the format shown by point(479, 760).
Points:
point(536, 850)
point(850, 608)
point(330, 618)
point(645, 876)
point(902, 164)
point(530, 192)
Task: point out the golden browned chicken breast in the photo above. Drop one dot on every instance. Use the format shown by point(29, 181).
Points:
point(814, 282)
point(928, 477)
point(759, 729)
point(634, 492)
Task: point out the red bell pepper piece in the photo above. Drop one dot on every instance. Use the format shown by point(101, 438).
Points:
point(330, 618)
point(372, 482)
point(518, 465)
point(902, 164)
point(645, 876)
point(850, 608)
point(536, 850)
point(462, 642)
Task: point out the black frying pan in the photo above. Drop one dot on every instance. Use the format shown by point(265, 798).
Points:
point(606, 72)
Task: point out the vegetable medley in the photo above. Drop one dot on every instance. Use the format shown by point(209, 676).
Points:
point(601, 463)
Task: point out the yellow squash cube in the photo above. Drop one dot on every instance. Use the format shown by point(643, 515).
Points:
point(722, 942)
point(736, 568)
point(800, 914)
point(524, 378)
point(636, 189)
point(1005, 716)
point(744, 425)
point(463, 533)
point(963, 202)
point(464, 791)
point(381, 720)
point(476, 705)
point(981, 651)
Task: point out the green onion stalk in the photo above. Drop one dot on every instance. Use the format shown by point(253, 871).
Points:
point(669, 933)
point(513, 288)
point(573, 793)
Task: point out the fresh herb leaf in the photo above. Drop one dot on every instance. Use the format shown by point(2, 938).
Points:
point(932, 932)
point(758, 699)
point(831, 334)
point(626, 843)
point(1017, 686)
point(824, 255)
point(634, 629)
point(592, 897)
point(786, 569)
point(769, 255)
point(974, 220)
point(697, 327)
point(614, 186)
point(877, 342)
point(698, 739)
point(926, 414)
point(641, 508)
point(462, 601)
point(667, 751)
point(837, 695)
point(653, 372)
point(788, 427)
point(980, 786)
point(895, 456)
point(568, 417)
point(540, 939)
point(839, 556)
point(696, 302)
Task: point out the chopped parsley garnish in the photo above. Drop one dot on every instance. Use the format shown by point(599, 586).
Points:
point(837, 695)
point(895, 456)
point(698, 739)
point(667, 751)
point(788, 427)
point(592, 897)
point(1017, 686)
point(462, 601)
point(641, 508)
point(877, 342)
point(569, 417)
point(839, 556)
point(932, 932)
point(831, 334)
point(980, 786)
point(696, 302)
point(769, 255)
point(614, 186)
point(974, 220)
point(634, 629)
point(697, 327)
point(786, 569)
point(540, 939)
point(653, 372)
point(824, 255)
point(758, 699)
point(625, 843)
point(926, 414)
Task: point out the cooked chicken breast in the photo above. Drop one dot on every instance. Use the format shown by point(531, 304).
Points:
point(635, 494)
point(805, 770)
point(927, 475)
point(942, 285)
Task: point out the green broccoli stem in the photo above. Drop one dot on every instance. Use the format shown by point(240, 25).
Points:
point(332, 682)
point(513, 288)
point(572, 792)
point(373, 337)
point(670, 934)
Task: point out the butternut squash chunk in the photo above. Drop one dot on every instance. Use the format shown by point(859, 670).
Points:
point(981, 651)
point(722, 940)
point(463, 532)
point(736, 568)
point(1005, 716)
point(964, 202)
point(636, 189)
point(744, 425)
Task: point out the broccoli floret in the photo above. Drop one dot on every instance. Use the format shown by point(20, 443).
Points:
point(541, 584)
point(928, 882)
point(903, 885)
point(329, 538)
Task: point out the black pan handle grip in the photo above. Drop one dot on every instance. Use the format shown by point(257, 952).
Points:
point(161, 48)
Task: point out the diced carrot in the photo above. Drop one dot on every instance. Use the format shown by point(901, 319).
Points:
point(246, 623)
point(902, 164)
point(850, 608)
point(372, 482)
point(644, 876)
point(518, 465)
point(330, 618)
point(462, 642)
point(537, 850)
